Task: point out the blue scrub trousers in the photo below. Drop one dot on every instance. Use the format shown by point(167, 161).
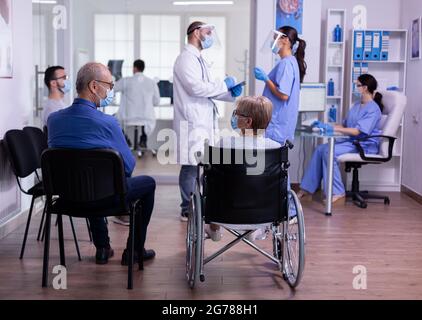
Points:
point(317, 169)
point(187, 179)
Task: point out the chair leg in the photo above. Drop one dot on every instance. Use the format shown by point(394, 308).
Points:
point(61, 240)
point(131, 249)
point(75, 238)
point(28, 222)
point(41, 223)
point(46, 249)
point(89, 229)
point(360, 201)
point(43, 233)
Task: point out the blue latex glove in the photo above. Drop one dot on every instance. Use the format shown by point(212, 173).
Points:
point(261, 75)
point(325, 127)
point(236, 91)
point(230, 82)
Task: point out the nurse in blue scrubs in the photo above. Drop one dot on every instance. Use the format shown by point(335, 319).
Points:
point(282, 85)
point(362, 121)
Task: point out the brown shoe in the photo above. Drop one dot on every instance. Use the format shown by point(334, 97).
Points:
point(337, 199)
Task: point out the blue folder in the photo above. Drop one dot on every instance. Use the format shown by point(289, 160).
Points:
point(385, 47)
point(367, 51)
point(376, 45)
point(358, 45)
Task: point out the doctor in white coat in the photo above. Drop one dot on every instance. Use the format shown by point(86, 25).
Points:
point(139, 96)
point(195, 113)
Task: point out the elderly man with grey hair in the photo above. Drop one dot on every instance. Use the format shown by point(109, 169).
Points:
point(82, 126)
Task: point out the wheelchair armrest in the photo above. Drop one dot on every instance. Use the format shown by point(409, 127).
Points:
point(391, 141)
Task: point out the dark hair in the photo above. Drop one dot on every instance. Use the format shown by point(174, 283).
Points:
point(300, 53)
point(50, 75)
point(193, 26)
point(371, 83)
point(139, 65)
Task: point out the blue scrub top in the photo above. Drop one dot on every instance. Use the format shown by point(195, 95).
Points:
point(367, 119)
point(82, 126)
point(286, 77)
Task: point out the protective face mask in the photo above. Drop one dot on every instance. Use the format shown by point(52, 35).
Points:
point(275, 49)
point(108, 99)
point(66, 88)
point(234, 122)
point(207, 42)
point(357, 96)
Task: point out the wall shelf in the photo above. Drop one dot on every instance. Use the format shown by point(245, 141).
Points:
point(335, 53)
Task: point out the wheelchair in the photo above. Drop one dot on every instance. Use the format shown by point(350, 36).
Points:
point(230, 194)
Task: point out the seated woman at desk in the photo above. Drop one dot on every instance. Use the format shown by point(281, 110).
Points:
point(252, 117)
point(363, 120)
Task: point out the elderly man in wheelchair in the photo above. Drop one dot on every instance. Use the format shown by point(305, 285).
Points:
point(242, 186)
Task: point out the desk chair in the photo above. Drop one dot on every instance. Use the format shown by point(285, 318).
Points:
point(394, 107)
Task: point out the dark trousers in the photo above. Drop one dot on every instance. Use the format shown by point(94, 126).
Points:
point(138, 188)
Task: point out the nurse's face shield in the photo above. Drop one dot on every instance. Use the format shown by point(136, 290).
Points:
point(273, 42)
point(209, 31)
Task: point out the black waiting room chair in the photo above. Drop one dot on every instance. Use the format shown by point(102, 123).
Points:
point(24, 160)
point(84, 184)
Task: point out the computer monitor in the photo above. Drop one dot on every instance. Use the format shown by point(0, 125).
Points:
point(312, 97)
point(166, 89)
point(115, 67)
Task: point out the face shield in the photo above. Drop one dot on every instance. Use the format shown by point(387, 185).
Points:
point(272, 42)
point(209, 37)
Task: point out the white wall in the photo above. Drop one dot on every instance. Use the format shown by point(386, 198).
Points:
point(16, 103)
point(412, 173)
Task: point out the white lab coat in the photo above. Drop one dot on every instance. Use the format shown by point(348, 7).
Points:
point(195, 114)
point(139, 96)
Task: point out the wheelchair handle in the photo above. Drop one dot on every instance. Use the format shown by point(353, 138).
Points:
point(289, 144)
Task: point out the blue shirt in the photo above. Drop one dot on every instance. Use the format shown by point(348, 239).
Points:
point(286, 77)
point(367, 120)
point(82, 126)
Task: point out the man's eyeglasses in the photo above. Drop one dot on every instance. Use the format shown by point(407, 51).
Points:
point(111, 84)
point(237, 113)
point(64, 78)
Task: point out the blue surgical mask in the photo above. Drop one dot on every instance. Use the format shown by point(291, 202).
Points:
point(357, 96)
point(234, 122)
point(207, 42)
point(275, 48)
point(108, 99)
point(67, 87)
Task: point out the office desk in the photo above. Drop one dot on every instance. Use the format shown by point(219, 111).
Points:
point(330, 164)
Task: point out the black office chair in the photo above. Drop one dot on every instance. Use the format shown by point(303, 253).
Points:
point(24, 161)
point(87, 183)
point(39, 140)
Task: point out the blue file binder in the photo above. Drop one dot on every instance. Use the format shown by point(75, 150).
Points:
point(368, 45)
point(385, 47)
point(358, 45)
point(376, 45)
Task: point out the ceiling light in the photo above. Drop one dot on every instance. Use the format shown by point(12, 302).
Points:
point(202, 3)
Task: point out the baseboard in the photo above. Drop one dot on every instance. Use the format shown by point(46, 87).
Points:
point(415, 196)
point(19, 220)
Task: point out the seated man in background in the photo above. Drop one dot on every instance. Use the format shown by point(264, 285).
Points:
point(251, 117)
point(58, 84)
point(82, 126)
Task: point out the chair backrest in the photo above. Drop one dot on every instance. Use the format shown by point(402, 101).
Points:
point(83, 176)
point(234, 194)
point(394, 108)
point(38, 140)
point(21, 153)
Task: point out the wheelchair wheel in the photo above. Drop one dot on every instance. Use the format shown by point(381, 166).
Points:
point(193, 243)
point(294, 242)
